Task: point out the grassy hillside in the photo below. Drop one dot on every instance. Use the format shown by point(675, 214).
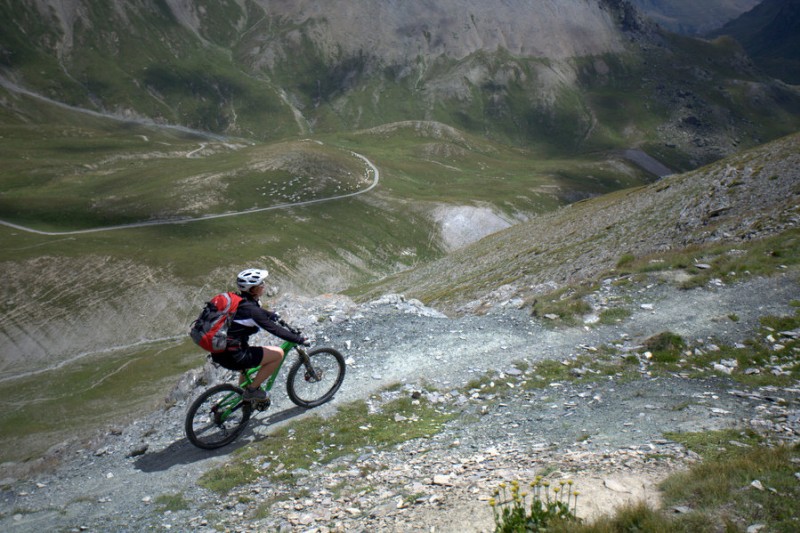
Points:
point(749, 196)
point(82, 287)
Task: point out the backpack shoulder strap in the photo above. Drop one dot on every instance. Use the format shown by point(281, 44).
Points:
point(227, 297)
point(233, 300)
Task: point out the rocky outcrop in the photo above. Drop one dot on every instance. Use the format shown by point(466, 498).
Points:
point(400, 32)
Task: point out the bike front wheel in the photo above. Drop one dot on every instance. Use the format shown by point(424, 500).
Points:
point(217, 417)
point(315, 378)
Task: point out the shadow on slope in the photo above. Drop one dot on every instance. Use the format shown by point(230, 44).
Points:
point(182, 452)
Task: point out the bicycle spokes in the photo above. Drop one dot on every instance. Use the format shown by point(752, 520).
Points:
point(217, 417)
point(315, 377)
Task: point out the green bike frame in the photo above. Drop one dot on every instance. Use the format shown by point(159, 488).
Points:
point(267, 385)
point(233, 401)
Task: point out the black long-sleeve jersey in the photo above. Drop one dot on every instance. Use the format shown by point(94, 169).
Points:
point(250, 317)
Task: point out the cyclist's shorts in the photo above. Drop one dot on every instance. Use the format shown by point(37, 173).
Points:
point(240, 358)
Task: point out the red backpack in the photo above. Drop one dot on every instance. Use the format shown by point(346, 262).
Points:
point(210, 330)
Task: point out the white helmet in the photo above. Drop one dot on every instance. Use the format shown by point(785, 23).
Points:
point(249, 278)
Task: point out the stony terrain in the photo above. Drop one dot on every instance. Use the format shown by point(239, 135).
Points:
point(606, 435)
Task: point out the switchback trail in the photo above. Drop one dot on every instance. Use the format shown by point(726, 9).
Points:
point(372, 169)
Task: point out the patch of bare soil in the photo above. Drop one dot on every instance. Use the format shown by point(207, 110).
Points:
point(462, 225)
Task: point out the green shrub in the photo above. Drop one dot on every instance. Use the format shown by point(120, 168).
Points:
point(171, 502)
point(666, 347)
point(614, 315)
point(625, 260)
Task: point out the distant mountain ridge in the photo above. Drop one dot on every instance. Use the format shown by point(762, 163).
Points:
point(569, 76)
point(770, 33)
point(692, 17)
point(396, 32)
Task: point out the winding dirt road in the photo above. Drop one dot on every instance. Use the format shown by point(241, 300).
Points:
point(9, 85)
point(372, 168)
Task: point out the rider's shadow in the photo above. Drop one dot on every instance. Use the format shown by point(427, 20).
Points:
point(182, 452)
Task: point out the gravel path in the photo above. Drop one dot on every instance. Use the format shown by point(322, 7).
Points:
point(605, 429)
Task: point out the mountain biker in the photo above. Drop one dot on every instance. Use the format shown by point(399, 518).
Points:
point(248, 320)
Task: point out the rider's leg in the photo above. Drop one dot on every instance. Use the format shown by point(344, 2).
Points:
point(269, 363)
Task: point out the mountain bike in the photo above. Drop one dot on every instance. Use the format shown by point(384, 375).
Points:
point(219, 415)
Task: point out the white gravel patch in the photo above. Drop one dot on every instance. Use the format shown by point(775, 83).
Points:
point(462, 225)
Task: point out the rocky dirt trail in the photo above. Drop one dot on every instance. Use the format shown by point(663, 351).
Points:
point(606, 435)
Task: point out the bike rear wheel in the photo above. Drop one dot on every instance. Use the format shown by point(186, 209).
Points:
point(217, 417)
point(314, 381)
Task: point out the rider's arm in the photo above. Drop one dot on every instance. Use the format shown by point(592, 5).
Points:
point(269, 321)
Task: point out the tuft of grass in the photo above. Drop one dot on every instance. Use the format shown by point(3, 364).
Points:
point(227, 477)
point(666, 347)
point(725, 482)
point(488, 383)
point(550, 371)
point(720, 492)
point(625, 259)
point(717, 445)
point(614, 315)
point(316, 441)
point(565, 306)
point(172, 502)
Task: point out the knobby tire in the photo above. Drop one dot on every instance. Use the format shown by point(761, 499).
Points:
point(208, 430)
point(312, 386)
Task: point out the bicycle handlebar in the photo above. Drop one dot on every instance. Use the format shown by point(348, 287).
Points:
point(293, 329)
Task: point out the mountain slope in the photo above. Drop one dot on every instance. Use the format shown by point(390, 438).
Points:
point(770, 33)
point(750, 195)
point(223, 66)
point(572, 77)
point(692, 17)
